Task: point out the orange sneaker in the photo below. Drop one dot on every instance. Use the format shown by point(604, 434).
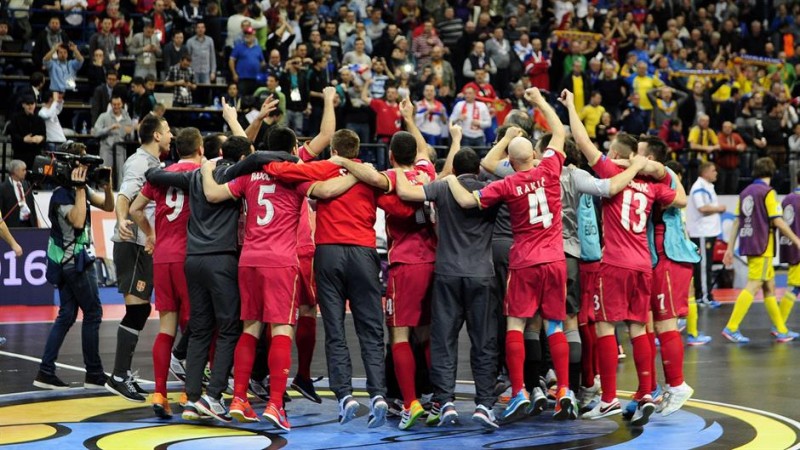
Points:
point(242, 411)
point(277, 416)
point(161, 406)
point(183, 400)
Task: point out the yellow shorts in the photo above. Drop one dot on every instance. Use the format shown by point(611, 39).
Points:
point(794, 275)
point(760, 268)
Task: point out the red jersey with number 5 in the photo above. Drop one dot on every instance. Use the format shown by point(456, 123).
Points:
point(625, 217)
point(534, 204)
point(273, 215)
point(172, 216)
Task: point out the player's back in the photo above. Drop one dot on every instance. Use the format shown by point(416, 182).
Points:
point(791, 215)
point(409, 228)
point(755, 230)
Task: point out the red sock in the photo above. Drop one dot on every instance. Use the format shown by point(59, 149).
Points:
point(515, 360)
point(280, 361)
point(642, 359)
point(243, 358)
point(587, 355)
point(405, 369)
point(162, 351)
point(672, 357)
point(306, 339)
point(651, 338)
point(559, 352)
point(607, 356)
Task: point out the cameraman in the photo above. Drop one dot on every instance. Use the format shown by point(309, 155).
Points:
point(70, 266)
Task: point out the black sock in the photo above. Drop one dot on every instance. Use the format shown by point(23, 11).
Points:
point(126, 345)
point(574, 341)
point(260, 365)
point(183, 345)
point(533, 361)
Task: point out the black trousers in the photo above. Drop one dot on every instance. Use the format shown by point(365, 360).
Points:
point(213, 303)
point(455, 300)
point(728, 181)
point(349, 272)
point(500, 249)
point(703, 276)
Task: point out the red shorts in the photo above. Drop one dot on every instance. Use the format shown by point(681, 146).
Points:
point(590, 291)
point(408, 295)
point(670, 296)
point(308, 289)
point(172, 292)
point(269, 294)
point(624, 294)
point(540, 288)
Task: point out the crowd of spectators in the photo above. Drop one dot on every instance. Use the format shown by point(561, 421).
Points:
point(717, 80)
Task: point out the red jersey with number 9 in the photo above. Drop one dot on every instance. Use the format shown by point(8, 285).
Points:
point(625, 217)
point(273, 215)
point(172, 216)
point(534, 204)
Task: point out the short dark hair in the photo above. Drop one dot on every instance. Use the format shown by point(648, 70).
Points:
point(625, 144)
point(403, 147)
point(656, 148)
point(440, 162)
point(346, 143)
point(149, 126)
point(212, 144)
point(235, 147)
point(520, 119)
point(37, 78)
point(676, 167)
point(187, 142)
point(466, 161)
point(138, 81)
point(150, 77)
point(764, 168)
point(112, 72)
point(281, 138)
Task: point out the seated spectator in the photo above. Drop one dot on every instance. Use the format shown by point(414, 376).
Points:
point(4, 34)
point(232, 96)
point(63, 72)
point(173, 52)
point(101, 96)
point(146, 48)
point(49, 113)
point(245, 62)
point(702, 138)
point(590, 114)
point(28, 131)
point(474, 117)
point(50, 38)
point(181, 79)
point(113, 127)
point(731, 145)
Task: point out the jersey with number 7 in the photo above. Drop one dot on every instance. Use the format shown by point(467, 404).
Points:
point(625, 217)
point(172, 216)
point(534, 204)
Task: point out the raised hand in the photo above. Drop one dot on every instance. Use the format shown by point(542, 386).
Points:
point(567, 98)
point(455, 132)
point(534, 95)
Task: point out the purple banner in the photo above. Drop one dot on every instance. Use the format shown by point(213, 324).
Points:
point(22, 280)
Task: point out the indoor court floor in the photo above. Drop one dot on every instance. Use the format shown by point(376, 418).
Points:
point(745, 397)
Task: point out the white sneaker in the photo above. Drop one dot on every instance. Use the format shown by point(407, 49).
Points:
point(603, 409)
point(377, 412)
point(644, 410)
point(177, 368)
point(587, 394)
point(484, 417)
point(675, 398)
point(538, 402)
point(348, 407)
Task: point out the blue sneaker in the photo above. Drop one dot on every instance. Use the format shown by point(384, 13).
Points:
point(713, 304)
point(785, 337)
point(700, 339)
point(657, 393)
point(521, 400)
point(774, 332)
point(735, 336)
point(630, 410)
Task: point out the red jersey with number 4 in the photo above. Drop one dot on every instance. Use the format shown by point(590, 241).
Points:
point(625, 217)
point(273, 214)
point(534, 204)
point(412, 238)
point(172, 216)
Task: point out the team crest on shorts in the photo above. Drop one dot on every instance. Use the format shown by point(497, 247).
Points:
point(140, 285)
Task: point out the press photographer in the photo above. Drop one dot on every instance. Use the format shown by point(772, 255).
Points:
point(70, 266)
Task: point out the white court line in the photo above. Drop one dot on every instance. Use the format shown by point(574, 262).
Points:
point(58, 364)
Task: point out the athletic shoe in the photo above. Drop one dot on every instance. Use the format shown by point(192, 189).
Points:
point(229, 389)
point(785, 337)
point(277, 416)
point(95, 381)
point(735, 336)
point(774, 332)
point(644, 410)
point(696, 341)
point(377, 412)
point(563, 404)
point(603, 409)
point(135, 380)
point(347, 409)
point(573, 409)
point(47, 381)
point(484, 417)
point(124, 388)
point(409, 416)
point(184, 399)
point(434, 415)
point(658, 394)
point(550, 378)
point(177, 368)
point(305, 386)
point(161, 406)
point(521, 400)
point(259, 389)
point(213, 408)
point(675, 398)
point(587, 394)
point(395, 407)
point(190, 412)
point(621, 353)
point(242, 411)
point(538, 402)
point(449, 415)
point(630, 410)
point(501, 385)
point(681, 325)
point(713, 304)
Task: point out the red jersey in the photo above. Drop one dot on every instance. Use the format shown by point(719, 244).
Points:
point(305, 233)
point(172, 217)
point(625, 217)
point(273, 214)
point(388, 119)
point(412, 239)
point(534, 204)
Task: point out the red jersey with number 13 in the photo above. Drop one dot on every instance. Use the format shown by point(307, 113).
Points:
point(172, 217)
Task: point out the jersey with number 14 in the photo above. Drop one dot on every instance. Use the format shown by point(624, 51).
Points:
point(534, 204)
point(172, 216)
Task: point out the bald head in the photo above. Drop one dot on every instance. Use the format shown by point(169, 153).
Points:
point(520, 151)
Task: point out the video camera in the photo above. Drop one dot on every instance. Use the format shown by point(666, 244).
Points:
point(57, 167)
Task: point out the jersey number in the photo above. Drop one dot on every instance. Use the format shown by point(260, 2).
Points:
point(175, 201)
point(661, 298)
point(641, 204)
point(262, 201)
point(538, 208)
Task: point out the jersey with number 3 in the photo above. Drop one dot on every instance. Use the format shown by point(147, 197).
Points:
point(273, 215)
point(534, 204)
point(625, 217)
point(172, 216)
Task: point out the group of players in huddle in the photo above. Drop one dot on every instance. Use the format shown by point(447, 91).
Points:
point(544, 250)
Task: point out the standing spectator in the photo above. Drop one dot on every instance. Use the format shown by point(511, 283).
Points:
point(671, 132)
point(348, 26)
point(112, 127)
point(613, 89)
point(374, 25)
point(172, 53)
point(499, 50)
point(388, 119)
point(318, 79)
point(577, 82)
point(106, 41)
point(731, 144)
point(146, 48)
point(408, 15)
point(294, 85)
point(431, 116)
point(537, 64)
point(774, 125)
point(28, 132)
point(204, 55)
point(703, 139)
point(102, 95)
point(192, 13)
point(451, 28)
point(590, 114)
point(274, 64)
point(473, 117)
point(477, 58)
point(50, 38)
point(356, 114)
point(49, 112)
point(423, 45)
point(181, 79)
point(642, 83)
point(16, 198)
point(383, 46)
point(163, 19)
point(443, 75)
point(381, 75)
point(634, 120)
point(63, 72)
point(273, 89)
point(357, 57)
point(332, 38)
point(144, 99)
point(246, 62)
point(665, 107)
point(704, 225)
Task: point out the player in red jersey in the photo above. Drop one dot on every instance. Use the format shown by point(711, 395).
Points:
point(626, 271)
point(169, 255)
point(537, 277)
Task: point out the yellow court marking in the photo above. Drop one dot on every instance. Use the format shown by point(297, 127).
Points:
point(770, 433)
point(15, 434)
point(152, 437)
point(72, 410)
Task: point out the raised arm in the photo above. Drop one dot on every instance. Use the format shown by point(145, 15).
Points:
point(253, 163)
point(498, 152)
point(534, 96)
point(579, 133)
point(407, 109)
point(464, 198)
point(267, 107)
point(232, 118)
point(455, 146)
point(364, 173)
point(407, 191)
point(328, 126)
point(332, 188)
point(104, 201)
